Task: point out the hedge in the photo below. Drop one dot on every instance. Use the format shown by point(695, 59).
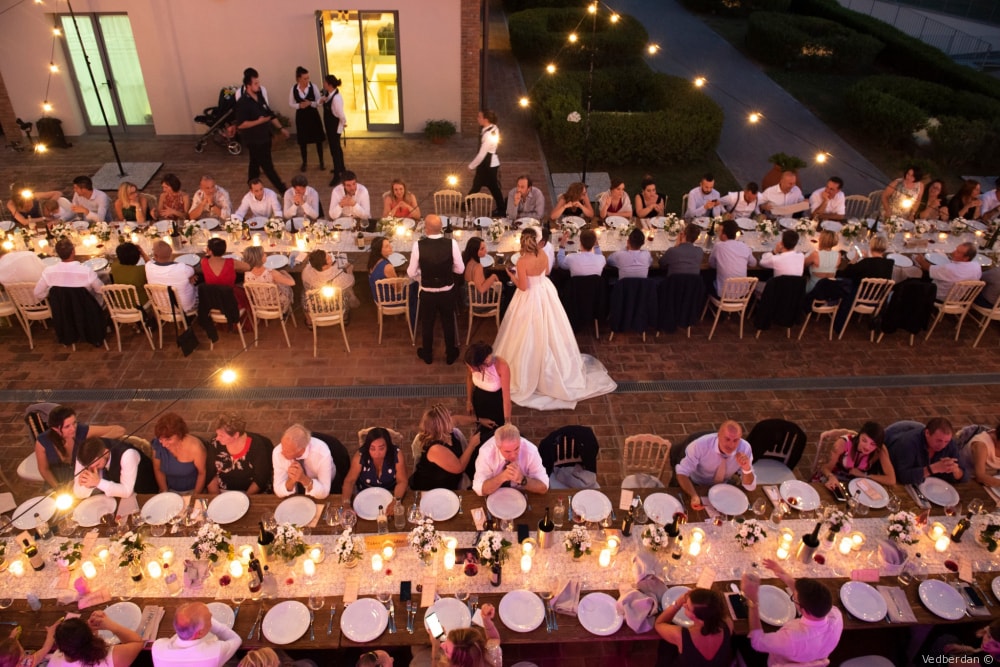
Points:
point(884, 118)
point(961, 141)
point(936, 99)
point(807, 42)
point(511, 6)
point(541, 35)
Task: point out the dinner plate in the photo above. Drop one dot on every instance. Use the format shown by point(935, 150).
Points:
point(222, 613)
point(409, 223)
point(983, 260)
point(521, 611)
point(484, 222)
point(908, 225)
point(208, 223)
point(397, 259)
point(659, 222)
point(600, 614)
point(486, 261)
point(90, 510)
point(439, 504)
point(728, 499)
point(515, 258)
point(276, 262)
point(127, 614)
point(296, 510)
point(975, 225)
point(452, 613)
point(234, 255)
point(902, 261)
point(6, 225)
point(364, 620)
point(799, 494)
point(285, 622)
point(701, 222)
point(84, 225)
point(295, 224)
point(161, 508)
point(746, 224)
point(876, 503)
point(939, 491)
point(788, 223)
point(995, 586)
point(257, 222)
point(942, 225)
point(616, 222)
point(506, 503)
point(574, 220)
point(832, 226)
point(592, 505)
point(669, 596)
point(367, 501)
point(190, 259)
point(661, 507)
point(863, 601)
point(776, 608)
point(163, 226)
point(228, 507)
point(50, 261)
point(97, 264)
point(937, 258)
point(525, 222)
point(942, 599)
point(43, 506)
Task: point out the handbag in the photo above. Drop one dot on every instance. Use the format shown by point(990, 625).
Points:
point(187, 341)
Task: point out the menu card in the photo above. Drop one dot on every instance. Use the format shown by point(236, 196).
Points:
point(351, 588)
point(428, 592)
point(626, 500)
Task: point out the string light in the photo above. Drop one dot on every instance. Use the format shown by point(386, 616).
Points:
point(592, 8)
point(754, 117)
point(53, 67)
point(653, 49)
point(820, 158)
point(523, 102)
point(573, 38)
point(550, 68)
point(46, 107)
point(699, 82)
point(57, 32)
point(452, 180)
point(228, 376)
point(615, 18)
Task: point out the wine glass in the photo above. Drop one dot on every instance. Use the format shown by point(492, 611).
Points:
point(952, 509)
point(894, 504)
point(239, 595)
point(316, 601)
point(350, 518)
point(975, 506)
point(6, 602)
point(759, 507)
point(462, 595)
point(639, 516)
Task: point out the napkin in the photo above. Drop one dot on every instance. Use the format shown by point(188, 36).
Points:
point(567, 599)
point(96, 597)
point(645, 569)
point(910, 489)
point(7, 502)
point(993, 494)
point(575, 477)
point(351, 588)
point(869, 489)
point(477, 618)
point(150, 623)
point(773, 494)
point(128, 506)
point(639, 609)
point(865, 574)
point(66, 596)
point(709, 508)
point(479, 517)
point(890, 553)
point(903, 610)
point(315, 519)
point(428, 592)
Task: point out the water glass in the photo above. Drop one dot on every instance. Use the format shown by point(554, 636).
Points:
point(350, 518)
point(759, 507)
point(316, 601)
point(894, 504)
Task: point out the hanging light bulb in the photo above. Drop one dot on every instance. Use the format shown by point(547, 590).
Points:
point(754, 117)
point(523, 102)
point(57, 32)
point(53, 67)
point(699, 82)
point(615, 18)
point(550, 68)
point(573, 38)
point(592, 8)
point(46, 107)
point(820, 158)
point(652, 49)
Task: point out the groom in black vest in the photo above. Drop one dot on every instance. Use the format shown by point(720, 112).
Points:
point(433, 263)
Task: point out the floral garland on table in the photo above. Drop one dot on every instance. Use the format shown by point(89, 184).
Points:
point(750, 533)
point(288, 542)
point(990, 534)
point(61, 229)
point(903, 528)
point(578, 541)
point(387, 226)
point(960, 226)
point(492, 547)
point(274, 227)
point(424, 539)
point(852, 229)
point(211, 542)
point(654, 537)
point(69, 552)
point(129, 549)
point(495, 231)
point(921, 227)
point(346, 547)
point(153, 232)
point(102, 231)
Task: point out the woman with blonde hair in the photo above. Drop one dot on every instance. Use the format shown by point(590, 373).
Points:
point(822, 263)
point(470, 647)
point(399, 202)
point(268, 657)
point(132, 205)
point(254, 257)
point(443, 455)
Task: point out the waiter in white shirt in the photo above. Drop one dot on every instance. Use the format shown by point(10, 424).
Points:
point(486, 164)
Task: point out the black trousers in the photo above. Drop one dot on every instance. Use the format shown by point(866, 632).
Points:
point(260, 160)
point(488, 177)
point(336, 148)
point(437, 305)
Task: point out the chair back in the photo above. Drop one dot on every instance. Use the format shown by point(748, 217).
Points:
point(961, 295)
point(341, 460)
point(645, 453)
point(871, 294)
point(569, 445)
point(265, 300)
point(392, 295)
point(736, 293)
point(677, 453)
point(781, 302)
point(7, 305)
point(827, 439)
point(681, 298)
point(479, 205)
point(856, 206)
point(36, 417)
point(684, 205)
point(484, 304)
point(325, 306)
point(23, 296)
point(777, 439)
point(585, 301)
point(77, 316)
point(448, 202)
point(633, 305)
point(122, 302)
point(159, 296)
point(875, 204)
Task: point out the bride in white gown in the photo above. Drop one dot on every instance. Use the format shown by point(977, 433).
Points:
point(547, 371)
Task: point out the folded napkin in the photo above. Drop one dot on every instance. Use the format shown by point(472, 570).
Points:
point(899, 608)
point(568, 598)
point(869, 488)
point(891, 553)
point(66, 596)
point(573, 477)
point(912, 490)
point(993, 494)
point(640, 610)
point(477, 618)
point(479, 517)
point(646, 575)
point(773, 494)
point(869, 574)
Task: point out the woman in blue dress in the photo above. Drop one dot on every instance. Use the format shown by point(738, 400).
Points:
point(378, 263)
point(377, 463)
point(178, 456)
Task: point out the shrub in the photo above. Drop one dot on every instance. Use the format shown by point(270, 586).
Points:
point(807, 42)
point(957, 141)
point(936, 99)
point(511, 6)
point(885, 119)
point(539, 35)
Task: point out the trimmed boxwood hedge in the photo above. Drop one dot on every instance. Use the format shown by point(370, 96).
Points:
point(808, 42)
point(540, 35)
point(934, 98)
point(886, 120)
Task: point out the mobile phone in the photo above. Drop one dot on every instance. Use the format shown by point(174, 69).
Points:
point(737, 605)
point(838, 493)
point(434, 625)
point(973, 596)
point(405, 593)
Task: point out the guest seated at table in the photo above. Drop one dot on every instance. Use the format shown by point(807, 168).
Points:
point(217, 269)
point(178, 456)
point(259, 202)
point(633, 262)
point(829, 202)
point(379, 658)
point(379, 266)
point(56, 446)
point(302, 465)
point(822, 262)
point(615, 201)
point(525, 200)
point(242, 460)
point(573, 202)
point(813, 636)
point(900, 198)
point(945, 648)
point(378, 463)
point(55, 211)
point(784, 193)
point(132, 205)
point(322, 269)
point(978, 455)
point(707, 642)
point(470, 647)
point(685, 257)
point(861, 455)
point(399, 202)
point(507, 459)
point(269, 657)
point(114, 467)
point(785, 260)
point(648, 203)
point(79, 645)
point(919, 452)
point(742, 204)
point(26, 206)
point(961, 267)
point(475, 250)
point(487, 389)
point(350, 199)
point(716, 458)
point(163, 270)
point(989, 204)
point(68, 272)
point(588, 262)
point(965, 203)
point(125, 270)
point(88, 203)
point(704, 200)
point(730, 257)
point(443, 453)
point(933, 207)
point(174, 202)
point(258, 273)
point(301, 200)
point(12, 654)
point(199, 640)
point(210, 201)
point(875, 265)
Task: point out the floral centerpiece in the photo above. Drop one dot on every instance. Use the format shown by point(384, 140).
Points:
point(129, 549)
point(233, 226)
point(68, 554)
point(990, 533)
point(578, 541)
point(424, 539)
point(495, 231)
point(387, 226)
point(102, 231)
point(838, 521)
point(749, 533)
point(852, 229)
point(921, 227)
point(959, 226)
point(289, 543)
point(153, 232)
point(654, 537)
point(274, 228)
point(492, 548)
point(61, 229)
point(673, 225)
point(190, 228)
point(903, 528)
point(347, 549)
point(806, 226)
point(212, 543)
point(893, 225)
point(765, 227)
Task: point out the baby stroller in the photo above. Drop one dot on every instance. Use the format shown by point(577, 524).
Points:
point(221, 123)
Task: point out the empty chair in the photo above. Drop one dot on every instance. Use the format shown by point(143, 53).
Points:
point(875, 204)
point(856, 206)
point(736, 293)
point(777, 447)
point(957, 302)
point(684, 205)
point(483, 304)
point(325, 307)
point(988, 315)
point(569, 454)
point(448, 202)
point(479, 205)
point(77, 316)
point(265, 304)
point(826, 299)
point(644, 461)
point(868, 300)
point(159, 297)
point(123, 307)
point(392, 298)
point(8, 307)
point(341, 461)
point(30, 308)
point(633, 306)
point(217, 304)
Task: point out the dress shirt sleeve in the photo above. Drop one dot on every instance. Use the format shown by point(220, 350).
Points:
point(289, 205)
point(321, 460)
point(224, 203)
point(766, 642)
point(481, 155)
point(241, 212)
point(129, 471)
point(688, 464)
point(767, 260)
point(364, 206)
point(531, 464)
point(511, 206)
point(696, 203)
point(456, 258)
point(79, 490)
point(751, 260)
point(748, 450)
point(413, 269)
point(229, 641)
point(561, 259)
point(280, 466)
point(336, 211)
point(311, 205)
point(485, 468)
point(101, 214)
point(275, 205)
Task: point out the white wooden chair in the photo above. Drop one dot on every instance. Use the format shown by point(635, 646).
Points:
point(684, 205)
point(644, 461)
point(219, 317)
point(875, 203)
point(159, 297)
point(957, 302)
point(483, 304)
point(988, 315)
point(392, 298)
point(8, 307)
point(325, 307)
point(819, 308)
point(30, 308)
point(265, 304)
point(479, 205)
point(856, 206)
point(448, 202)
point(868, 300)
point(736, 293)
point(122, 302)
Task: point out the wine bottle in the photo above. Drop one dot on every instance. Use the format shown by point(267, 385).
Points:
point(678, 550)
point(264, 540)
point(812, 539)
point(628, 518)
point(256, 577)
point(673, 528)
point(808, 545)
point(963, 525)
point(382, 520)
point(545, 529)
point(35, 558)
point(496, 574)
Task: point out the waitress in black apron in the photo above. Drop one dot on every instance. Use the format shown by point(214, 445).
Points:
point(305, 99)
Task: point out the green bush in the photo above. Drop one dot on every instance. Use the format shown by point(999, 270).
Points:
point(936, 99)
point(511, 6)
point(960, 141)
point(807, 42)
point(885, 119)
point(541, 35)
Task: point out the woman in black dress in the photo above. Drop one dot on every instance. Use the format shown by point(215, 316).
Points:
point(442, 459)
point(305, 99)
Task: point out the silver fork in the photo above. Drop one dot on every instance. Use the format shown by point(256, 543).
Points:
point(312, 625)
point(333, 610)
point(475, 603)
point(460, 510)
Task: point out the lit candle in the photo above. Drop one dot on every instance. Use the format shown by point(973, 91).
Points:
point(17, 568)
point(526, 563)
point(103, 555)
point(167, 555)
point(309, 567)
point(527, 548)
point(451, 543)
point(336, 237)
point(215, 235)
point(458, 233)
point(942, 236)
point(154, 569)
point(782, 553)
point(43, 243)
point(8, 245)
point(613, 544)
point(942, 543)
point(907, 235)
point(697, 535)
point(857, 540)
point(845, 546)
point(936, 531)
point(256, 240)
point(89, 570)
point(787, 536)
point(400, 230)
point(135, 237)
point(377, 563)
point(316, 553)
point(246, 551)
point(388, 551)
point(236, 569)
point(694, 548)
point(166, 239)
point(604, 560)
point(300, 243)
point(449, 560)
point(979, 232)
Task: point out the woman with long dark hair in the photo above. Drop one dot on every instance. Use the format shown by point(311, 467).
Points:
point(79, 645)
point(379, 266)
point(56, 446)
point(861, 455)
point(472, 256)
point(377, 463)
point(707, 642)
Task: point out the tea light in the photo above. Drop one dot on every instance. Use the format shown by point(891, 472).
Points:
point(17, 568)
point(336, 237)
point(979, 233)
point(246, 551)
point(215, 235)
point(694, 548)
point(236, 569)
point(409, 233)
point(942, 236)
point(102, 555)
point(697, 535)
point(846, 544)
point(857, 540)
point(256, 240)
point(604, 560)
point(451, 543)
point(458, 233)
point(135, 237)
point(377, 563)
point(300, 243)
point(907, 236)
point(154, 569)
point(613, 544)
point(449, 560)
point(166, 555)
point(316, 553)
point(388, 551)
point(936, 531)
point(43, 243)
point(400, 230)
point(8, 245)
point(526, 563)
point(782, 553)
point(309, 567)
point(89, 571)
point(787, 536)
point(527, 548)
point(942, 543)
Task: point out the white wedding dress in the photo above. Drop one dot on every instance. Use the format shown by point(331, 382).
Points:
point(547, 371)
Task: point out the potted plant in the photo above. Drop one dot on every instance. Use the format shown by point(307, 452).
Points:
point(781, 162)
point(438, 131)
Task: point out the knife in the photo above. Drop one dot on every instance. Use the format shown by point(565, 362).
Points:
point(920, 496)
point(256, 622)
point(392, 617)
point(312, 626)
point(569, 509)
point(236, 615)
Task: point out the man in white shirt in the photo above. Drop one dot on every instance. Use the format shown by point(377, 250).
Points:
point(588, 262)
point(350, 199)
point(20, 266)
point(525, 200)
point(164, 271)
point(742, 204)
point(301, 201)
point(507, 459)
point(730, 257)
point(829, 203)
point(961, 267)
point(200, 640)
point(715, 458)
point(302, 465)
point(704, 200)
point(434, 263)
point(785, 261)
point(92, 204)
point(210, 201)
point(785, 193)
point(486, 164)
point(68, 273)
point(990, 203)
point(118, 472)
point(258, 202)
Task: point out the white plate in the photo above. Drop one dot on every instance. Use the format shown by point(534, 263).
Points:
point(222, 613)
point(343, 223)
point(942, 599)
point(162, 226)
point(661, 507)
point(942, 225)
point(591, 505)
point(805, 497)
point(863, 601)
point(409, 223)
point(902, 261)
point(190, 259)
point(233, 255)
point(659, 222)
point(831, 226)
point(90, 510)
point(228, 507)
point(995, 586)
point(123, 613)
point(364, 620)
point(776, 608)
point(983, 260)
point(788, 223)
point(877, 503)
point(208, 223)
point(397, 259)
point(746, 224)
point(161, 508)
point(975, 225)
point(367, 501)
point(484, 222)
point(669, 596)
point(439, 504)
point(486, 261)
point(43, 506)
point(257, 222)
point(908, 225)
point(515, 258)
point(50, 261)
point(937, 258)
point(6, 225)
point(939, 491)
point(285, 622)
point(701, 222)
point(574, 220)
point(276, 262)
point(452, 613)
point(97, 264)
point(616, 222)
point(600, 614)
point(728, 499)
point(506, 503)
point(521, 611)
point(525, 222)
point(297, 510)
point(82, 225)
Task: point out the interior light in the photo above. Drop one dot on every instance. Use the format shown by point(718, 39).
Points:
point(46, 107)
point(57, 32)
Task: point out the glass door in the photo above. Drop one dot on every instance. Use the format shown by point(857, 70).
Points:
point(110, 45)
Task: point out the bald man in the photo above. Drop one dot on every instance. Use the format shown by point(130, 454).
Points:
point(163, 270)
point(302, 465)
point(716, 458)
point(201, 641)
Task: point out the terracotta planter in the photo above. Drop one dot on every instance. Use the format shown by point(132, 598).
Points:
point(771, 178)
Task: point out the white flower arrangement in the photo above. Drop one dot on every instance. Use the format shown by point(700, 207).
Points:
point(838, 521)
point(852, 229)
point(495, 231)
point(153, 232)
point(212, 542)
point(102, 231)
point(672, 224)
point(806, 226)
point(288, 542)
point(921, 226)
point(578, 541)
point(750, 532)
point(128, 549)
point(62, 229)
point(190, 228)
point(274, 227)
point(959, 226)
point(574, 117)
point(765, 227)
point(424, 539)
point(492, 547)
point(347, 548)
point(69, 552)
point(387, 226)
point(903, 528)
point(233, 226)
point(654, 537)
point(571, 230)
point(989, 535)
point(894, 224)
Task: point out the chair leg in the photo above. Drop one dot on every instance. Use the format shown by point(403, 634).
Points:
point(715, 323)
point(256, 330)
point(118, 335)
point(284, 330)
point(844, 328)
point(380, 325)
point(343, 330)
point(830, 335)
point(468, 334)
point(982, 330)
point(413, 331)
point(315, 329)
point(958, 327)
point(149, 336)
point(704, 311)
point(742, 314)
point(243, 341)
point(934, 324)
point(805, 324)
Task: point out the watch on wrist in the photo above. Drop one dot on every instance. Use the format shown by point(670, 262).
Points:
point(524, 480)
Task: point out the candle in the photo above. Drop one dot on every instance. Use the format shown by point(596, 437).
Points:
point(246, 551)
point(782, 553)
point(17, 568)
point(694, 548)
point(526, 563)
point(8, 245)
point(857, 540)
point(697, 535)
point(979, 232)
point(103, 556)
point(458, 233)
point(215, 235)
point(907, 235)
point(377, 563)
point(942, 543)
point(336, 237)
point(236, 569)
point(527, 548)
point(154, 569)
point(942, 236)
point(451, 543)
point(936, 531)
point(400, 230)
point(300, 243)
point(388, 551)
point(256, 240)
point(787, 536)
point(42, 243)
point(316, 553)
point(167, 555)
point(166, 239)
point(604, 560)
point(309, 567)
point(613, 544)
point(449, 560)
point(89, 570)
point(846, 545)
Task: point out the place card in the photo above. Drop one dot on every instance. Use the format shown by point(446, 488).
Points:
point(351, 588)
point(479, 517)
point(965, 570)
point(705, 578)
point(428, 592)
point(865, 574)
point(100, 596)
point(89, 540)
point(625, 503)
point(374, 543)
